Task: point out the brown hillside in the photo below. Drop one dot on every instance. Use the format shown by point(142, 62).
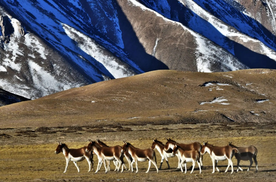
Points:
point(159, 97)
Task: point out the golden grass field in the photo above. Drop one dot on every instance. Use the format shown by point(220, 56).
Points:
point(138, 109)
point(32, 158)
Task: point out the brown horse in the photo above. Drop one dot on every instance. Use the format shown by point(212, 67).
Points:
point(141, 155)
point(106, 153)
point(192, 146)
point(219, 154)
point(75, 155)
point(187, 156)
point(117, 147)
point(160, 147)
point(246, 153)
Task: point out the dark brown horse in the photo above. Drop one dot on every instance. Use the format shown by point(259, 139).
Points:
point(75, 155)
point(219, 154)
point(141, 155)
point(245, 154)
point(106, 153)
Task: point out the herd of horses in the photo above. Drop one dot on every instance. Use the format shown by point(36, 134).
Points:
point(192, 152)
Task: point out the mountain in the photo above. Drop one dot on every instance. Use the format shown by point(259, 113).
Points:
point(51, 46)
point(156, 97)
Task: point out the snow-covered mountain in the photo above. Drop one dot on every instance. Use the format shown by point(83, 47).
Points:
point(49, 46)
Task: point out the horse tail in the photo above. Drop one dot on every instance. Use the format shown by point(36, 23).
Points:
point(235, 150)
point(198, 157)
point(256, 151)
point(122, 156)
point(91, 158)
point(154, 155)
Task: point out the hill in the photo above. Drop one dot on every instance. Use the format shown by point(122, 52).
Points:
point(160, 97)
point(51, 46)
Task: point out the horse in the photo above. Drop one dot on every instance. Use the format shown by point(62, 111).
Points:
point(163, 153)
point(75, 155)
point(245, 154)
point(141, 155)
point(192, 146)
point(102, 144)
point(106, 153)
point(187, 156)
point(219, 154)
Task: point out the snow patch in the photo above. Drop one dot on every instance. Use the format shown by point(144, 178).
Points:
point(219, 100)
point(90, 47)
point(262, 100)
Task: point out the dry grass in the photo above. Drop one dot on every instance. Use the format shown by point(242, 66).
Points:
point(38, 162)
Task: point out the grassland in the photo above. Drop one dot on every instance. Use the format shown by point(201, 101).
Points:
point(26, 157)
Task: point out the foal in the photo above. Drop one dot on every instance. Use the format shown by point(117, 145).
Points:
point(161, 149)
point(192, 146)
point(219, 154)
point(141, 155)
point(187, 156)
point(106, 153)
point(246, 153)
point(75, 155)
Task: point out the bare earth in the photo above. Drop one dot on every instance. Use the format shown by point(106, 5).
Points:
point(27, 154)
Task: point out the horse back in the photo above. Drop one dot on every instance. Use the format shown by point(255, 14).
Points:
point(77, 152)
point(192, 146)
point(144, 153)
point(221, 151)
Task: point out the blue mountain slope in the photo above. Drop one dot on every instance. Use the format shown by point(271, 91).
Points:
point(50, 45)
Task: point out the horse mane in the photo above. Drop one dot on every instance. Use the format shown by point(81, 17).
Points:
point(159, 142)
point(170, 140)
point(130, 145)
point(101, 143)
point(232, 145)
point(208, 144)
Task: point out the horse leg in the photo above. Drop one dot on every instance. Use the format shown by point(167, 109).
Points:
point(119, 163)
point(232, 167)
point(89, 163)
point(199, 166)
point(201, 160)
point(149, 166)
point(136, 166)
point(154, 163)
point(185, 165)
point(238, 165)
point(99, 165)
point(168, 164)
point(131, 166)
point(193, 167)
point(76, 166)
point(214, 165)
point(129, 163)
point(181, 163)
point(123, 163)
point(227, 166)
point(251, 162)
point(115, 164)
point(66, 165)
point(256, 162)
point(162, 159)
point(105, 167)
